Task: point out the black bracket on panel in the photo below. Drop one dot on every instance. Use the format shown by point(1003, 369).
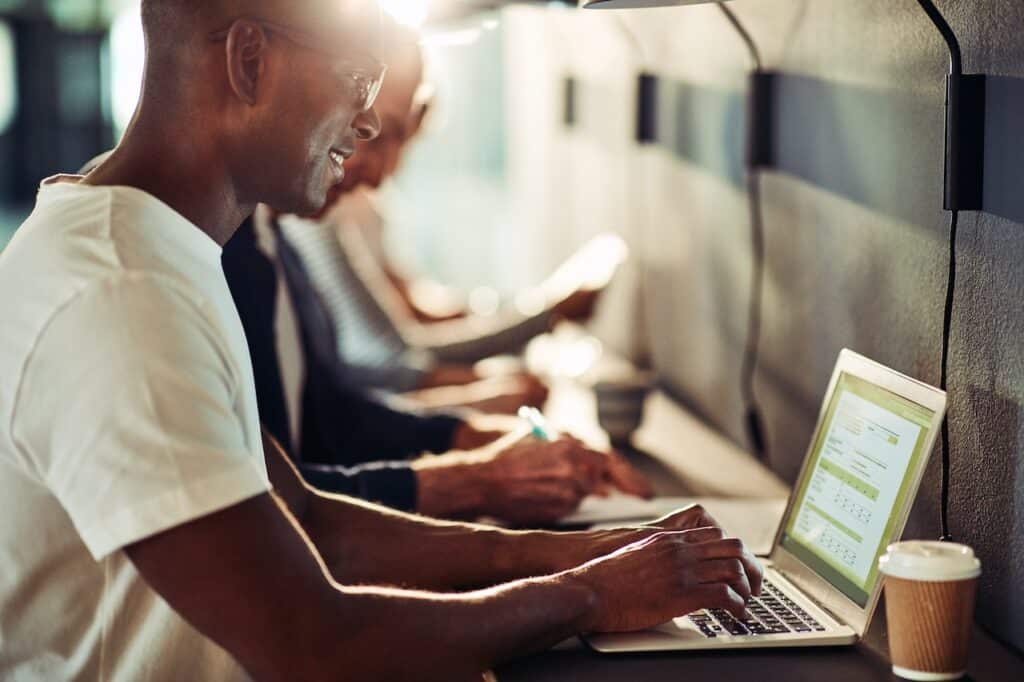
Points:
point(761, 120)
point(965, 124)
point(569, 99)
point(965, 142)
point(647, 108)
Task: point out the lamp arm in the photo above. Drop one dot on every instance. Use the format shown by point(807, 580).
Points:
point(755, 54)
point(955, 60)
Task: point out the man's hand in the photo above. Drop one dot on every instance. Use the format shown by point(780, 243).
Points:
point(524, 481)
point(619, 473)
point(688, 518)
point(520, 480)
point(668, 575)
point(537, 482)
point(579, 547)
point(480, 430)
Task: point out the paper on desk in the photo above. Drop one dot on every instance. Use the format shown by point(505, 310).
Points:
point(752, 520)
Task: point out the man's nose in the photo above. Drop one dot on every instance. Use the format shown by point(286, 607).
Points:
point(367, 125)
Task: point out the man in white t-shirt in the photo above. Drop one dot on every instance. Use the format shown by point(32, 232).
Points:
point(140, 538)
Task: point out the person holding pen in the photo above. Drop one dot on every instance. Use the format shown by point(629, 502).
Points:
point(151, 531)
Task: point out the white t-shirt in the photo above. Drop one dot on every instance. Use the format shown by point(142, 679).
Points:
point(127, 407)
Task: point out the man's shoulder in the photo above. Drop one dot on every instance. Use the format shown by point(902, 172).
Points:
point(63, 264)
point(126, 301)
point(153, 288)
point(110, 328)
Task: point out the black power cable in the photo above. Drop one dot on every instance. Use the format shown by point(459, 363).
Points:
point(947, 322)
point(956, 67)
point(755, 429)
point(755, 54)
point(953, 156)
point(752, 418)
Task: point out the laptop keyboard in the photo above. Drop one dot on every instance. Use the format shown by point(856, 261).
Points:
point(772, 613)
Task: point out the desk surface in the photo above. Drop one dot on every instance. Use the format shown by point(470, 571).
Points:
point(572, 660)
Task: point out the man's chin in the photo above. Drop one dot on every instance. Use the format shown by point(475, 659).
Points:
point(350, 183)
point(311, 205)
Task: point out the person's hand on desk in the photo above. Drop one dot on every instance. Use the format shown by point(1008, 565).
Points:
point(620, 474)
point(668, 575)
point(525, 481)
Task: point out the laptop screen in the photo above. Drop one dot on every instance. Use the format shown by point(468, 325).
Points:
point(858, 480)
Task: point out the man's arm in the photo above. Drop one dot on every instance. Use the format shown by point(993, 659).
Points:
point(366, 543)
point(250, 579)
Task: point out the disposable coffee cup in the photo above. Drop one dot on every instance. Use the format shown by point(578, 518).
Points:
point(929, 607)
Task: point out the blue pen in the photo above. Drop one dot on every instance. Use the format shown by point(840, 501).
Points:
point(538, 425)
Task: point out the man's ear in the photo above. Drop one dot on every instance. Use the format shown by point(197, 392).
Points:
point(246, 59)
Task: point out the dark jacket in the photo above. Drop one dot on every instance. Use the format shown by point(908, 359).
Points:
point(351, 443)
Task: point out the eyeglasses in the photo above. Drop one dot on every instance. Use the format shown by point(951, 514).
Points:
point(362, 78)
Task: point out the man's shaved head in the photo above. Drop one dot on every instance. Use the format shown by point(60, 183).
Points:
point(272, 93)
point(172, 27)
point(165, 20)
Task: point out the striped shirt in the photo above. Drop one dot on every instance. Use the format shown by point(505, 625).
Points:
point(363, 303)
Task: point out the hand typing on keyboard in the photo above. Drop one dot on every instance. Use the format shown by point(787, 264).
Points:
point(667, 575)
point(692, 517)
point(771, 614)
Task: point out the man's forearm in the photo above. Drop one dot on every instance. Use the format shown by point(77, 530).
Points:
point(456, 637)
point(366, 543)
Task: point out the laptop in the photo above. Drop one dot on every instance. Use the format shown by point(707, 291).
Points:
point(875, 432)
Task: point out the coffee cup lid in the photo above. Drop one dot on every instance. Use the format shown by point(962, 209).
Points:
point(930, 561)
